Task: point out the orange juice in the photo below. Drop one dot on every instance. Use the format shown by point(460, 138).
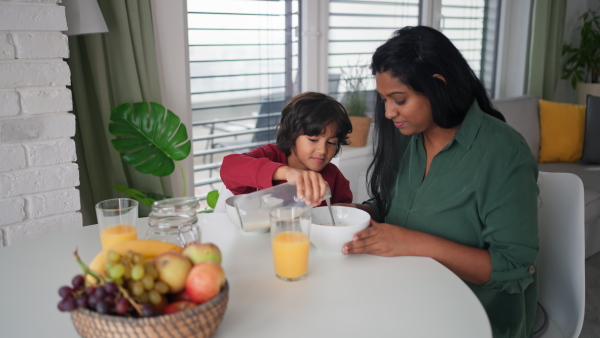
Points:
point(116, 234)
point(290, 254)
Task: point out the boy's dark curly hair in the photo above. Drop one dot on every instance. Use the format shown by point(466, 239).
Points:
point(309, 114)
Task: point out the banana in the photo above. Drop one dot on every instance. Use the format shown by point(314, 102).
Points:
point(146, 247)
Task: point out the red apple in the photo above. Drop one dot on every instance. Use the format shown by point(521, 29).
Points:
point(200, 252)
point(178, 306)
point(173, 269)
point(205, 281)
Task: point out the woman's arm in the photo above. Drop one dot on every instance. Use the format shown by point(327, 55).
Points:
point(470, 264)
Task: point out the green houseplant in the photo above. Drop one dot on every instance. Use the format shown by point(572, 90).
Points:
point(355, 102)
point(152, 140)
point(354, 99)
point(582, 64)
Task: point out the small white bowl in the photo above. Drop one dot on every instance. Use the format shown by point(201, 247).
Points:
point(331, 239)
point(234, 217)
point(232, 212)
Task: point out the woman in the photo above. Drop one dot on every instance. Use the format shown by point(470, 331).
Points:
point(450, 179)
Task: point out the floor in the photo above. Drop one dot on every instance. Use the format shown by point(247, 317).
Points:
point(591, 321)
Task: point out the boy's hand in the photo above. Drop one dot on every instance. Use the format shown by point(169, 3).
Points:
point(310, 185)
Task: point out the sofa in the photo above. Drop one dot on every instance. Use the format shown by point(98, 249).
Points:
point(522, 113)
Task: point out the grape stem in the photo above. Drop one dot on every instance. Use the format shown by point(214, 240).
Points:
point(124, 292)
point(133, 303)
point(86, 270)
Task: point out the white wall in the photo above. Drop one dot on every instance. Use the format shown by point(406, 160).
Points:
point(37, 173)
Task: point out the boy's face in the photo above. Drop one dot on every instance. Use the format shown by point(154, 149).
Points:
point(314, 152)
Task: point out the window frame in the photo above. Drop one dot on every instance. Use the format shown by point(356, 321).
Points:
point(170, 27)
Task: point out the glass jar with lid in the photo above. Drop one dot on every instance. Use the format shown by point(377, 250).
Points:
point(174, 220)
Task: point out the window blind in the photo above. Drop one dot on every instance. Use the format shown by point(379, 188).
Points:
point(356, 29)
point(244, 59)
point(472, 26)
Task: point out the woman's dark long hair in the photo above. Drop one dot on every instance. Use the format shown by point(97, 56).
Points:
point(414, 55)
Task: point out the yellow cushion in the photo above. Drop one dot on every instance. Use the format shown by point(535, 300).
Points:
point(562, 129)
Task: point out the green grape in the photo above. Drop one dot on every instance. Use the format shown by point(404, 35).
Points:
point(151, 269)
point(137, 258)
point(129, 255)
point(148, 282)
point(155, 297)
point(116, 271)
point(118, 281)
point(127, 274)
point(137, 289)
point(113, 256)
point(144, 297)
point(161, 287)
point(137, 272)
point(108, 266)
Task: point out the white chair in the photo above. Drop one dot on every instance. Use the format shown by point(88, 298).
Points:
point(561, 260)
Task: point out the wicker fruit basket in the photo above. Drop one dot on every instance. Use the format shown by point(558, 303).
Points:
point(200, 321)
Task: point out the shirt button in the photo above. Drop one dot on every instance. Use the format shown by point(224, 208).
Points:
point(531, 269)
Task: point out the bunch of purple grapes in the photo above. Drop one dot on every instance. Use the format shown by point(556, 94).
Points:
point(104, 299)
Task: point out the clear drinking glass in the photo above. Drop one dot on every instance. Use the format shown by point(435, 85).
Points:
point(117, 220)
point(174, 220)
point(290, 228)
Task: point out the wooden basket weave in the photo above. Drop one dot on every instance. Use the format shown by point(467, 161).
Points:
point(200, 321)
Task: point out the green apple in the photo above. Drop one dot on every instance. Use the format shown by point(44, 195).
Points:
point(173, 269)
point(202, 252)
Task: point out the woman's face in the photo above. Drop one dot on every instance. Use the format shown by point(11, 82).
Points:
point(408, 110)
point(314, 152)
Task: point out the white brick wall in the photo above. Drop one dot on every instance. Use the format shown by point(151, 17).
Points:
point(9, 103)
point(38, 178)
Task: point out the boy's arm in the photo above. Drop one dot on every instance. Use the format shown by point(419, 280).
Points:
point(253, 169)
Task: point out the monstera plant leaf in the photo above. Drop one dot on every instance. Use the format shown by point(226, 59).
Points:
point(135, 194)
point(150, 137)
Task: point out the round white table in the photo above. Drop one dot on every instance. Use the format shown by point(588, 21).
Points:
point(342, 296)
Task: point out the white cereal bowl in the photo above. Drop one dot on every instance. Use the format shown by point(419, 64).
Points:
point(234, 217)
point(330, 239)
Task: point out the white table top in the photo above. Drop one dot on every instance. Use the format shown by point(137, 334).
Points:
point(342, 296)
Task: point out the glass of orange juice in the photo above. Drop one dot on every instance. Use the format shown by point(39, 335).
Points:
point(290, 241)
point(117, 220)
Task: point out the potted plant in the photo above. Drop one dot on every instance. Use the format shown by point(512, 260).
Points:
point(582, 65)
point(152, 140)
point(355, 102)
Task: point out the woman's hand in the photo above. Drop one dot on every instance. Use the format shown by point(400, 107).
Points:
point(381, 239)
point(471, 264)
point(310, 185)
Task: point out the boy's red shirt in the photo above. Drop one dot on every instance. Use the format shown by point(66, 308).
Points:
point(247, 172)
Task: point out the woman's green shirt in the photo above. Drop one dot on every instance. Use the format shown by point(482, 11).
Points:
point(481, 191)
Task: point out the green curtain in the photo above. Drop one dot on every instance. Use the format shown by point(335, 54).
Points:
point(546, 41)
point(108, 70)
